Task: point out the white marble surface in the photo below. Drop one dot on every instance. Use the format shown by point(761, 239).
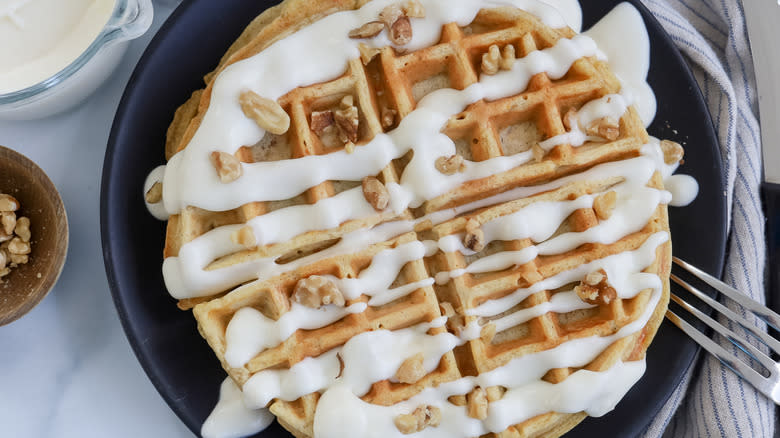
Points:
point(66, 368)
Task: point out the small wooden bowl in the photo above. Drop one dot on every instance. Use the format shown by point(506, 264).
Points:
point(27, 284)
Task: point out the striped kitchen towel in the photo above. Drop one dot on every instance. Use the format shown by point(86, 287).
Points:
point(711, 400)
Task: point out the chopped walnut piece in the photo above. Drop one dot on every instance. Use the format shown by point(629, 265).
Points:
point(14, 236)
point(490, 60)
point(18, 246)
point(604, 204)
point(390, 14)
point(538, 152)
point(346, 102)
point(349, 147)
point(321, 120)
point(367, 53)
point(431, 415)
point(605, 127)
point(375, 193)
point(245, 237)
point(446, 309)
point(401, 31)
point(595, 288)
point(457, 400)
point(414, 9)
point(154, 195)
point(267, 113)
point(388, 117)
point(673, 152)
point(406, 423)
point(8, 203)
point(347, 120)
point(316, 291)
point(571, 120)
point(477, 404)
point(411, 370)
point(18, 259)
point(227, 166)
point(368, 30)
point(8, 221)
point(450, 165)
point(488, 332)
point(507, 57)
point(418, 420)
point(22, 229)
point(398, 25)
point(475, 237)
point(595, 277)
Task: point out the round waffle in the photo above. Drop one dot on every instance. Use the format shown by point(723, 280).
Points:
point(521, 254)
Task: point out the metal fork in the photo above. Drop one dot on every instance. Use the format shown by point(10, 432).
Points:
point(769, 386)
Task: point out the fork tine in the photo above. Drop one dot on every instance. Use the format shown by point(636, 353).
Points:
point(762, 312)
point(771, 342)
point(754, 352)
point(728, 359)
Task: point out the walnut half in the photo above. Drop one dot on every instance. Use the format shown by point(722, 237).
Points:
point(267, 113)
point(375, 193)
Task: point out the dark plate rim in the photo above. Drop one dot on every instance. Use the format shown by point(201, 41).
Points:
point(105, 184)
point(109, 254)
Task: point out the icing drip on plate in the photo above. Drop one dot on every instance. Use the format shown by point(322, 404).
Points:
point(231, 418)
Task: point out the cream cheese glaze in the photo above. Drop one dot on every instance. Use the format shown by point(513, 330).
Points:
point(189, 179)
point(41, 37)
point(231, 418)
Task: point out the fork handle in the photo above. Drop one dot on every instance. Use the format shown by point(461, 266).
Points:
point(771, 194)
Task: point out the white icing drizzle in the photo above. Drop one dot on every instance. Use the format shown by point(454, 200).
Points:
point(621, 270)
point(185, 277)
point(189, 180)
point(310, 375)
point(521, 377)
point(561, 302)
point(375, 280)
point(250, 332)
point(384, 350)
point(683, 188)
point(583, 390)
point(622, 36)
point(231, 418)
point(419, 131)
point(611, 105)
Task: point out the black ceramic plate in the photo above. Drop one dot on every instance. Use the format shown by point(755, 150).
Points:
point(166, 340)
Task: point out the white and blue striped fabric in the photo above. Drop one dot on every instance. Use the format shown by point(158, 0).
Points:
point(712, 401)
